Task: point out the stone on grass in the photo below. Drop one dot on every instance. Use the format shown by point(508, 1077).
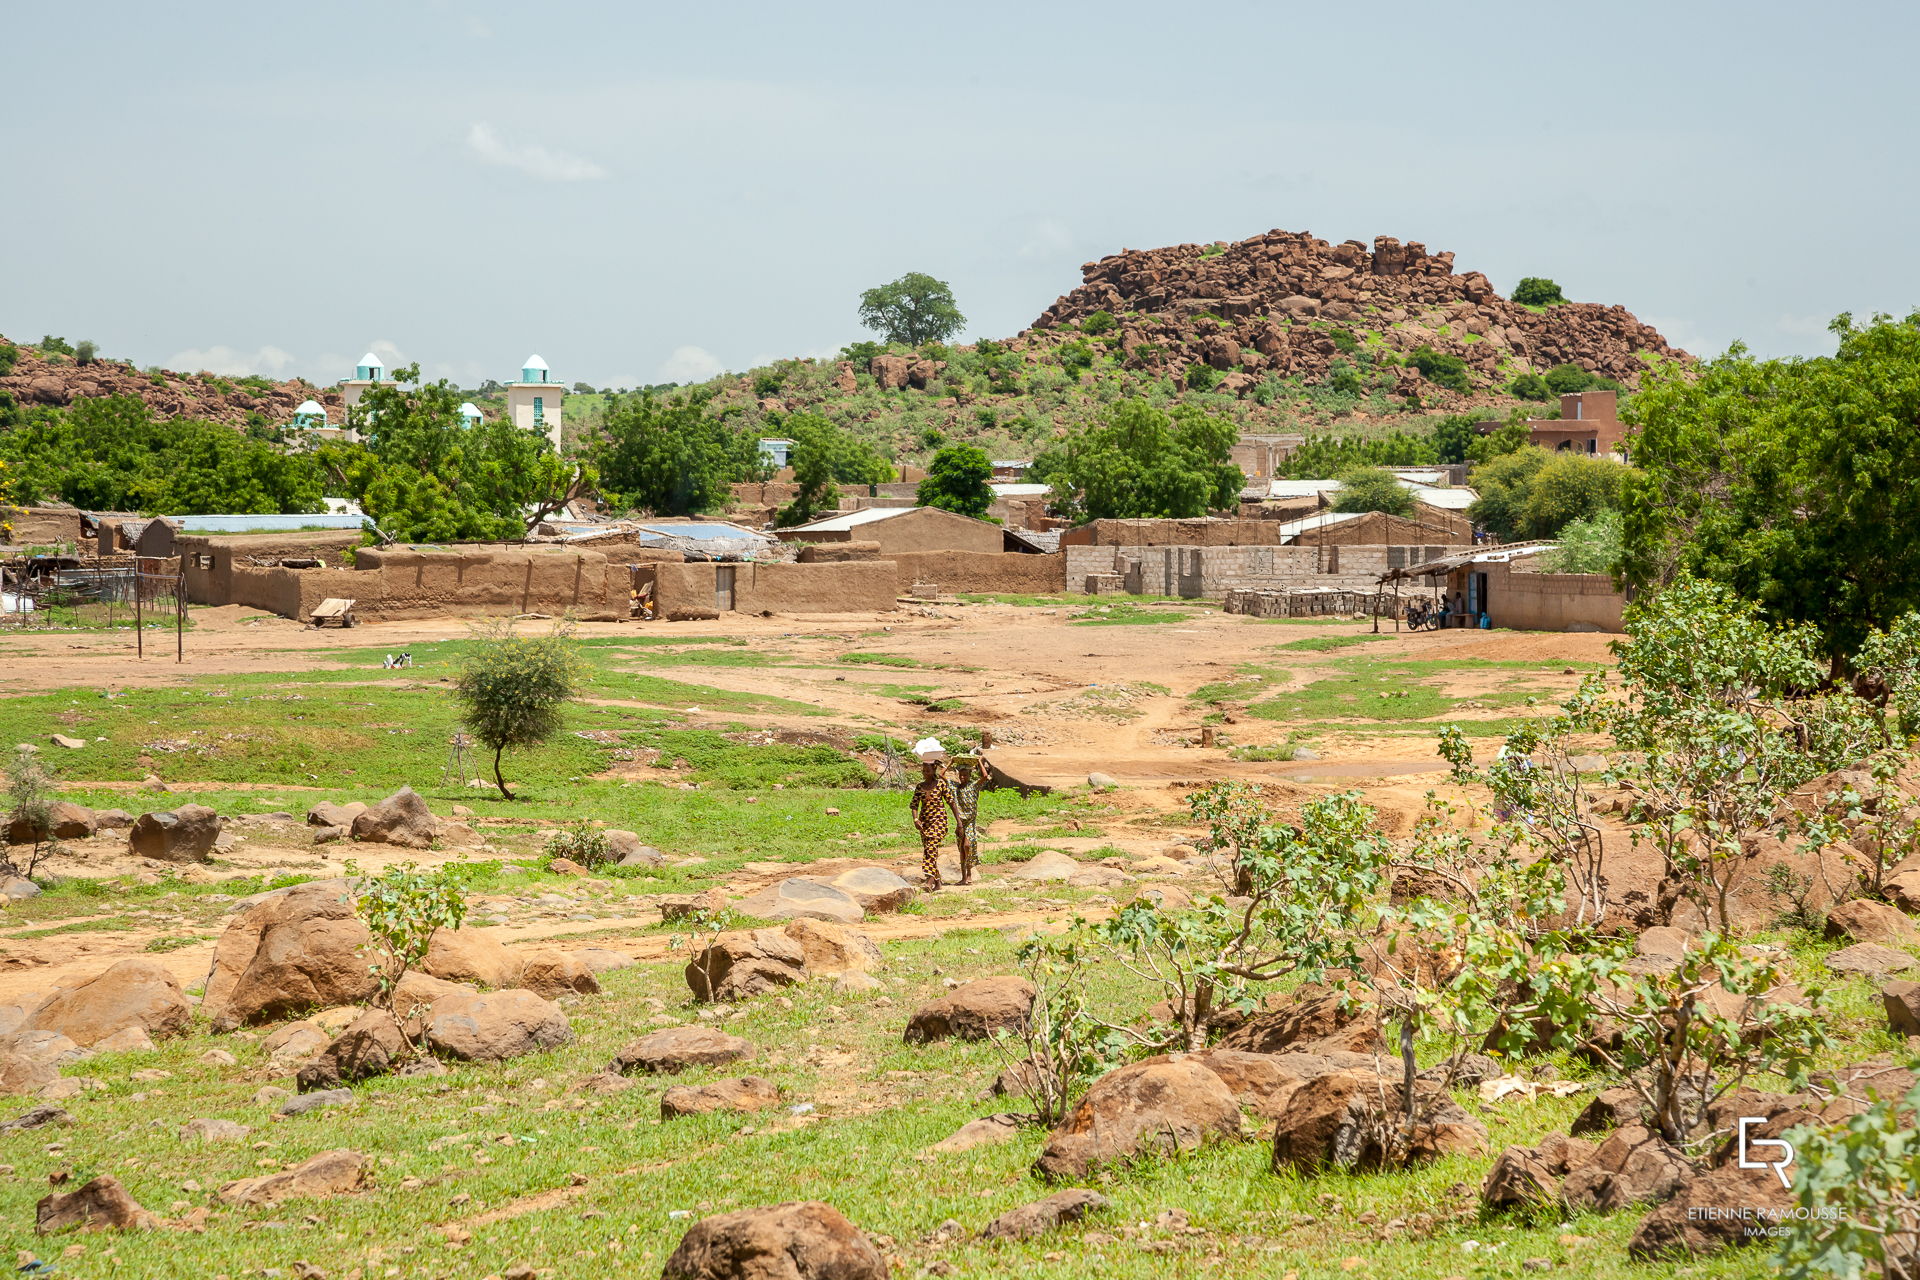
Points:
point(552, 974)
point(1712, 1212)
point(322, 1100)
point(876, 888)
point(1100, 781)
point(988, 1131)
point(1338, 1121)
point(39, 1117)
point(748, 1093)
point(288, 951)
point(126, 1040)
point(1048, 864)
point(977, 1010)
point(329, 814)
point(495, 1026)
point(1307, 1021)
point(185, 834)
point(401, 819)
point(372, 1046)
point(71, 744)
point(740, 966)
point(1633, 1166)
point(1042, 1216)
point(69, 821)
point(802, 1240)
point(16, 888)
point(627, 850)
point(331, 1173)
point(204, 1130)
point(1872, 959)
point(111, 819)
point(1149, 1108)
point(1612, 1108)
point(833, 948)
point(1862, 920)
point(294, 1044)
point(72, 1087)
point(1519, 1179)
point(471, 955)
point(1265, 1083)
point(685, 906)
point(794, 898)
point(605, 959)
point(133, 993)
point(677, 1048)
point(100, 1205)
point(1902, 1002)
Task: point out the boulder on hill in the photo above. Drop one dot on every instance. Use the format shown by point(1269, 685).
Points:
point(185, 834)
point(1863, 920)
point(401, 819)
point(1338, 1120)
point(133, 993)
point(552, 974)
point(31, 1060)
point(101, 1204)
point(1042, 1216)
point(372, 1046)
point(1633, 1166)
point(795, 898)
point(833, 948)
point(675, 1049)
point(1146, 1108)
point(804, 1240)
point(1307, 1021)
point(1712, 1212)
point(743, 965)
point(329, 814)
point(331, 1173)
point(111, 819)
point(1901, 1000)
point(288, 951)
point(975, 1010)
point(876, 888)
point(627, 850)
point(1265, 1083)
point(472, 955)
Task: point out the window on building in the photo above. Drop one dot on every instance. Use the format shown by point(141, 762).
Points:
point(539, 411)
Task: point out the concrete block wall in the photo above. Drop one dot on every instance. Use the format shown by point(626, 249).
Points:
point(1208, 573)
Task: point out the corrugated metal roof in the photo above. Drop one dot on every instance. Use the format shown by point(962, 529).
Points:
point(1445, 499)
point(1515, 551)
point(852, 519)
point(1020, 490)
point(1300, 488)
point(1291, 527)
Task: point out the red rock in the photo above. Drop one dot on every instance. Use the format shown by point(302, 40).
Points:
point(100, 1205)
point(973, 1011)
point(1146, 1108)
point(804, 1240)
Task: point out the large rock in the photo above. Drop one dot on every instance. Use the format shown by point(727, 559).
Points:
point(100, 1205)
point(69, 821)
point(133, 993)
point(1633, 1166)
point(552, 974)
point(804, 1240)
point(876, 888)
point(1145, 1109)
point(1307, 1021)
point(472, 955)
point(112, 820)
point(31, 1060)
point(976, 1010)
point(329, 814)
point(795, 899)
point(1713, 1211)
point(185, 834)
point(739, 966)
point(495, 1025)
point(890, 372)
point(1529, 1177)
point(1611, 1108)
point(748, 1093)
point(675, 1049)
point(289, 951)
point(1870, 959)
point(833, 948)
point(402, 819)
point(1048, 864)
point(1042, 1216)
point(1266, 1082)
point(1341, 1120)
point(1863, 920)
point(1902, 1003)
point(331, 1173)
point(625, 849)
point(372, 1046)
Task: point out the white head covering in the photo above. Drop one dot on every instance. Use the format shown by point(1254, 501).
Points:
point(929, 750)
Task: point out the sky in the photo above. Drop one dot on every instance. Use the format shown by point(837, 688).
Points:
point(642, 192)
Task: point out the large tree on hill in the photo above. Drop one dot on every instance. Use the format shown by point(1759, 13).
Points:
point(960, 478)
point(1792, 481)
point(423, 475)
point(1140, 462)
point(673, 456)
point(914, 309)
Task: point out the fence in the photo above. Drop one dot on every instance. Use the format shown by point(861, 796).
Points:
point(70, 593)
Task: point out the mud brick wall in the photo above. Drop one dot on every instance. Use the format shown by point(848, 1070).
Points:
point(991, 572)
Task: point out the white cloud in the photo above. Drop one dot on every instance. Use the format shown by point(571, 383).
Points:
point(1045, 239)
point(1684, 334)
point(690, 364)
point(530, 158)
point(267, 362)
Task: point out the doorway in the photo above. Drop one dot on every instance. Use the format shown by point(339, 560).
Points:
point(723, 587)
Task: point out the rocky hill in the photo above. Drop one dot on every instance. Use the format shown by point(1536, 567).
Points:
point(52, 379)
point(1279, 303)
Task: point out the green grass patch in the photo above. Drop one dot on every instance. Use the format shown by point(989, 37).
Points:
point(1121, 615)
point(1322, 644)
point(721, 760)
point(880, 660)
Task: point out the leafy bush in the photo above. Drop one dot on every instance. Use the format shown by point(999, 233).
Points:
point(1075, 357)
point(1537, 291)
point(512, 689)
point(1098, 323)
point(52, 346)
point(85, 351)
point(1201, 376)
point(1345, 379)
point(861, 354)
point(403, 908)
point(31, 795)
point(1443, 370)
point(1530, 386)
point(1591, 544)
point(582, 842)
point(9, 356)
point(1565, 379)
point(958, 479)
point(1373, 489)
point(1858, 1186)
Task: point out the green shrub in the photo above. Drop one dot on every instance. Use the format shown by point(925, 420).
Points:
point(581, 841)
point(1565, 379)
point(1345, 341)
point(85, 351)
point(1345, 379)
point(1538, 291)
point(1530, 386)
point(512, 689)
point(1201, 376)
point(52, 346)
point(1075, 357)
point(1098, 323)
point(9, 356)
point(1443, 370)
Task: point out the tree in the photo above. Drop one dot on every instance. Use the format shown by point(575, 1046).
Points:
point(1571, 486)
point(31, 794)
point(403, 907)
point(1590, 544)
point(822, 454)
point(1789, 480)
point(674, 456)
point(1538, 291)
point(513, 689)
point(1098, 323)
point(85, 351)
point(1140, 462)
point(1442, 370)
point(1373, 489)
point(1565, 379)
point(1530, 386)
point(958, 479)
point(1453, 438)
point(914, 309)
point(52, 346)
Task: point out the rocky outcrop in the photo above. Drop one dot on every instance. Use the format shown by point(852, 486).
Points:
point(39, 380)
point(290, 950)
point(494, 1026)
point(804, 1240)
point(677, 1048)
point(100, 1205)
point(1344, 1119)
point(401, 819)
point(796, 899)
point(1252, 305)
point(1633, 1166)
point(1146, 1108)
point(331, 1173)
point(748, 1093)
point(833, 948)
point(371, 1046)
point(552, 974)
point(1307, 1021)
point(472, 955)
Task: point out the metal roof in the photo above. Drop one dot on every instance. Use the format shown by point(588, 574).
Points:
point(852, 519)
point(1019, 490)
point(1446, 499)
point(1300, 488)
point(1446, 564)
point(1292, 527)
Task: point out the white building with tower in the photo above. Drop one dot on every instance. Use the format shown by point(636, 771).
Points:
point(533, 403)
point(368, 373)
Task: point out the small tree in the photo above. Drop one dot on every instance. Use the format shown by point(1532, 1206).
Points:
point(1530, 386)
point(403, 908)
point(31, 795)
point(1372, 489)
point(85, 350)
point(1538, 291)
point(914, 309)
point(1098, 323)
point(512, 688)
point(958, 479)
point(1442, 369)
point(1858, 1186)
point(1060, 1048)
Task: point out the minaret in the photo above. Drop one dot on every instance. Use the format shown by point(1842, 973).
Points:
point(368, 373)
point(534, 402)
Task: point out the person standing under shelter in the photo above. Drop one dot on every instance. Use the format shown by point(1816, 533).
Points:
point(932, 807)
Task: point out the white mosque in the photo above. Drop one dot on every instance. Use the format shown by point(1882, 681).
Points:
point(533, 403)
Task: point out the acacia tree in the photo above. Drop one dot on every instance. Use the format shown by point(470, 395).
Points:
point(674, 456)
point(1141, 463)
point(959, 478)
point(914, 309)
point(1372, 489)
point(513, 689)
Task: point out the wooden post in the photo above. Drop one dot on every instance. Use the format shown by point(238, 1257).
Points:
point(139, 640)
point(1206, 735)
point(180, 614)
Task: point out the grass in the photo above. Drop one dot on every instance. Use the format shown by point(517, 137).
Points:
point(1393, 691)
point(1116, 615)
point(1322, 644)
point(880, 660)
